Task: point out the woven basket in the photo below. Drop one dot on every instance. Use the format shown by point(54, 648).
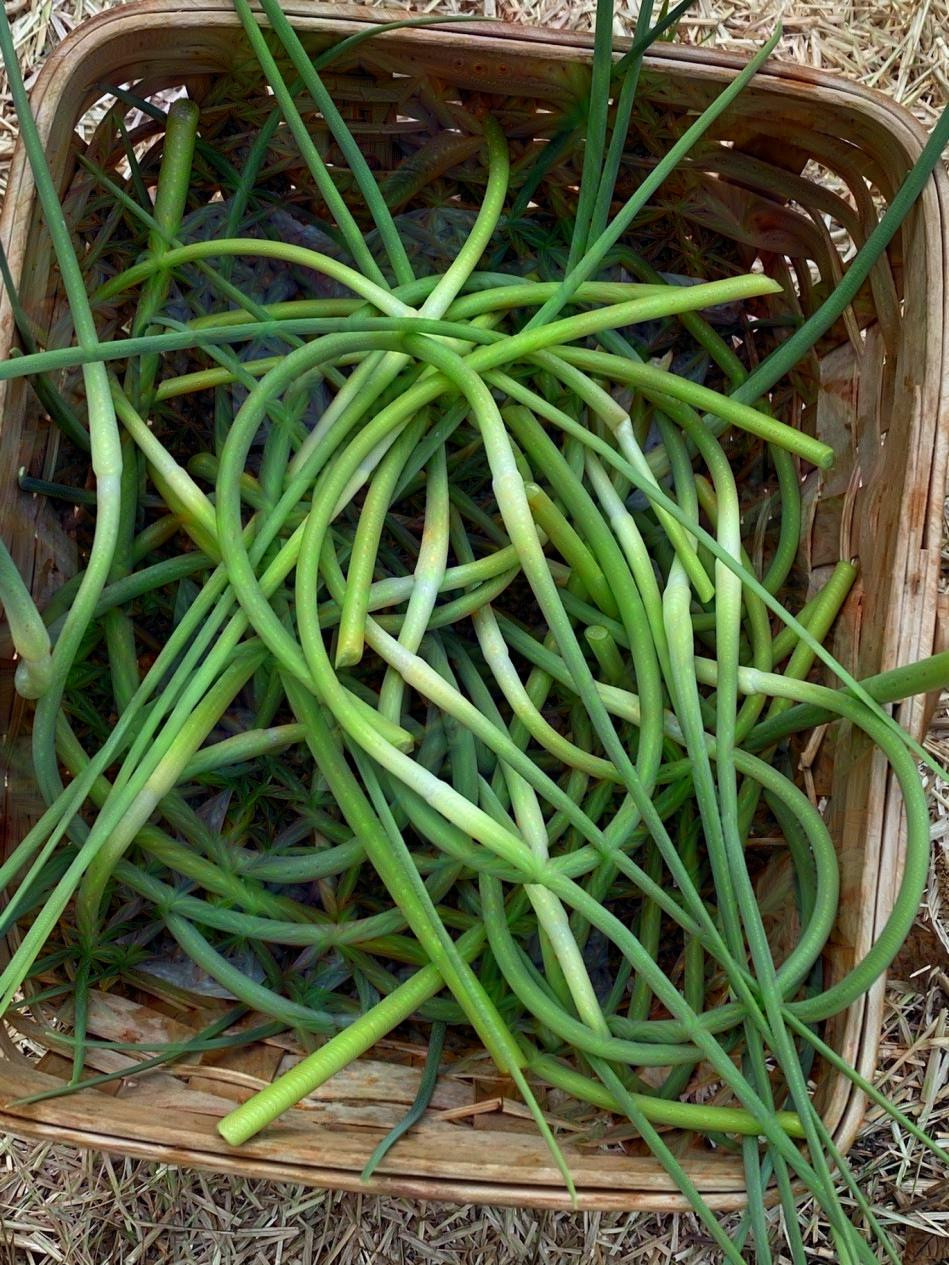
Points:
point(878, 391)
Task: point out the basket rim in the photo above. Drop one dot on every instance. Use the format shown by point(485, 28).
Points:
point(320, 13)
point(906, 131)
